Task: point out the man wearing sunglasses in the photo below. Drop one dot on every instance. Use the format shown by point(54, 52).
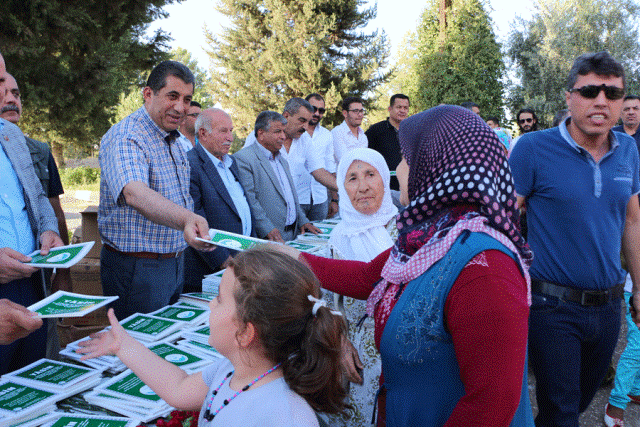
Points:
point(580, 183)
point(325, 201)
point(527, 120)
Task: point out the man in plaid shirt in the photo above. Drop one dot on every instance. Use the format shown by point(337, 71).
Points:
point(146, 212)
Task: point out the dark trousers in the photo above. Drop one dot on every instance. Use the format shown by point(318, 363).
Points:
point(142, 285)
point(33, 347)
point(570, 347)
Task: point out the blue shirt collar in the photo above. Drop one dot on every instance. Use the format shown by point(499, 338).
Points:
point(564, 132)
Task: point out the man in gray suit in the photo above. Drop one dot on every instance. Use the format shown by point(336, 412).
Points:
point(268, 185)
point(28, 222)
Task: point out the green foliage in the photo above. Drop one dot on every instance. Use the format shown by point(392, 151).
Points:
point(462, 64)
point(200, 93)
point(82, 175)
point(542, 50)
point(72, 59)
point(277, 49)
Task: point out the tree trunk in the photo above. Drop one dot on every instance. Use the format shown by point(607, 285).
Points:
point(444, 6)
point(58, 153)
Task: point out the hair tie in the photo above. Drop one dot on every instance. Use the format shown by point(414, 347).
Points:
point(317, 303)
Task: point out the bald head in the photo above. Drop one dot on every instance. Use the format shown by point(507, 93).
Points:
point(214, 129)
point(11, 107)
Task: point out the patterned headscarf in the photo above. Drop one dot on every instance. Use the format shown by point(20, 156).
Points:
point(459, 179)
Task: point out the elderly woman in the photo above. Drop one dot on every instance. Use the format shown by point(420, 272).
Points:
point(452, 305)
point(368, 219)
point(366, 208)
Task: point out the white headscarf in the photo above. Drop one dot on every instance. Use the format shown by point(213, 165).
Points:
point(358, 236)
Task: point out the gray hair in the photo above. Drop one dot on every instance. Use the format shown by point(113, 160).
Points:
point(293, 106)
point(265, 118)
point(205, 120)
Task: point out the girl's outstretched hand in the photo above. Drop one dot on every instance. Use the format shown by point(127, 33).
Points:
point(107, 342)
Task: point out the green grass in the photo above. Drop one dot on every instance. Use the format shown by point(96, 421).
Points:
point(70, 188)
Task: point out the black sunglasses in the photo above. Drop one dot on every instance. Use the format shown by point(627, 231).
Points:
point(591, 91)
point(319, 110)
point(527, 120)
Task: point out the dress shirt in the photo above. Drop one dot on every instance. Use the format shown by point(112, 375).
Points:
point(135, 149)
point(234, 188)
point(185, 143)
point(322, 139)
point(343, 140)
point(284, 184)
point(304, 158)
point(15, 228)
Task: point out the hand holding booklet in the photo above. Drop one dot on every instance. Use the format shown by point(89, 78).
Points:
point(61, 256)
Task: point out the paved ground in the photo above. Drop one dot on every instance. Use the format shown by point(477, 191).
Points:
point(74, 203)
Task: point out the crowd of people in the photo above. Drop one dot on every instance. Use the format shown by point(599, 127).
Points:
point(442, 297)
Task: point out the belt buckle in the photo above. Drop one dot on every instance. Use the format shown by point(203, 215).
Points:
point(591, 298)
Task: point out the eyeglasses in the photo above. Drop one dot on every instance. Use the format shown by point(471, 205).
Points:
point(319, 110)
point(523, 121)
point(591, 91)
point(358, 111)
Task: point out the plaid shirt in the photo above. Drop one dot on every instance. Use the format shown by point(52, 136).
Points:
point(135, 149)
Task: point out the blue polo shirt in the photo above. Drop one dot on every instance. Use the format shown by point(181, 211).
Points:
point(576, 207)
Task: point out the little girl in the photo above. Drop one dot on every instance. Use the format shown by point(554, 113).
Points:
point(281, 348)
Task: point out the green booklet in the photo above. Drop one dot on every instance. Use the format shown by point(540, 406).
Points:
point(54, 376)
point(60, 257)
point(17, 400)
point(69, 304)
point(177, 356)
point(234, 241)
point(183, 314)
point(149, 328)
point(80, 420)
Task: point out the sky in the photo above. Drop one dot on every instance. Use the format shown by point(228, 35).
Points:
point(186, 21)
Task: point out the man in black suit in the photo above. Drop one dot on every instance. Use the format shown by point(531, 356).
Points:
point(217, 194)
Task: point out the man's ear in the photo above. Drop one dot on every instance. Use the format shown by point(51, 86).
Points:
point(147, 92)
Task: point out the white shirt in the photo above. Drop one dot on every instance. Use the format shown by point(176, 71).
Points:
point(343, 140)
point(324, 141)
point(235, 190)
point(184, 143)
point(305, 157)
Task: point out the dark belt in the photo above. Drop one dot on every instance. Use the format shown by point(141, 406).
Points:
point(146, 255)
point(582, 297)
point(290, 227)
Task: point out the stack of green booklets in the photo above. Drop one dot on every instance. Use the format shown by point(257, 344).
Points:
point(196, 340)
point(192, 316)
point(127, 395)
point(147, 328)
point(201, 299)
point(81, 420)
point(104, 363)
point(20, 403)
point(190, 361)
point(211, 282)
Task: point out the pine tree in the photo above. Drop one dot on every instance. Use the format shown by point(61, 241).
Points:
point(72, 60)
point(453, 57)
point(277, 49)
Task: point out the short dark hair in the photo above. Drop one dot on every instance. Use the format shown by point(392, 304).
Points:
point(469, 105)
point(195, 104)
point(264, 120)
point(158, 77)
point(346, 103)
point(293, 106)
point(493, 119)
point(533, 114)
point(559, 117)
point(398, 96)
point(601, 63)
point(314, 96)
point(628, 97)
